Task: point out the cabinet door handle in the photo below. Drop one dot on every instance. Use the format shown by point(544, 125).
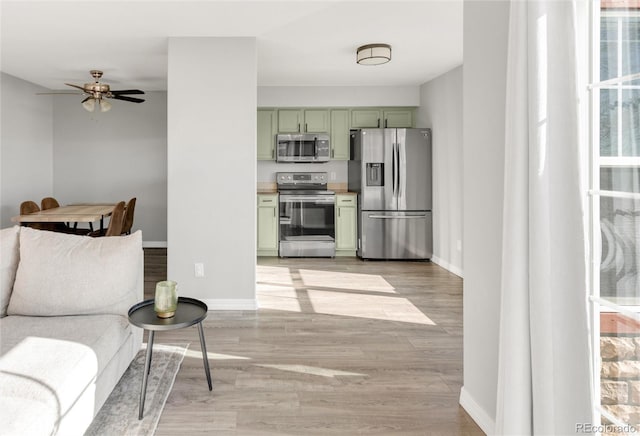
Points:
point(332, 153)
point(338, 212)
point(273, 153)
point(385, 123)
point(306, 128)
point(378, 122)
point(274, 212)
point(298, 127)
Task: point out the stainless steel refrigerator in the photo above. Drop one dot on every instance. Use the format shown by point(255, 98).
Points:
point(390, 169)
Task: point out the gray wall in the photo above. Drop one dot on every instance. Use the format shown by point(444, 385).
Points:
point(212, 169)
point(441, 110)
point(333, 96)
point(26, 145)
point(114, 156)
point(484, 76)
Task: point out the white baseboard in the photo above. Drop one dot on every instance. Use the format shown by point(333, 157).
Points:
point(446, 265)
point(154, 244)
point(231, 304)
point(477, 413)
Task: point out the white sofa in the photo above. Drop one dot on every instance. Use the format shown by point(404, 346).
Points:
point(65, 340)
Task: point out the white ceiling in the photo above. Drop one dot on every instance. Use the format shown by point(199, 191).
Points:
point(300, 43)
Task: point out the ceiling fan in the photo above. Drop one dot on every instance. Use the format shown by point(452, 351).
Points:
point(97, 92)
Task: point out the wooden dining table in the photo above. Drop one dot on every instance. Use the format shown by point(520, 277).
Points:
point(76, 213)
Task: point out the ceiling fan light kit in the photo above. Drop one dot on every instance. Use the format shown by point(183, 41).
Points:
point(373, 54)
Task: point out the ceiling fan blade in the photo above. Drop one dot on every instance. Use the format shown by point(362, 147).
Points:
point(75, 86)
point(131, 99)
point(128, 91)
point(59, 93)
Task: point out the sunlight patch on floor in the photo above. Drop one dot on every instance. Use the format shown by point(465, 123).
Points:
point(277, 297)
point(367, 306)
point(313, 370)
point(197, 354)
point(345, 280)
point(277, 275)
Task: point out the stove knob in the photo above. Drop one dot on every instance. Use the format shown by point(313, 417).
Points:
point(289, 177)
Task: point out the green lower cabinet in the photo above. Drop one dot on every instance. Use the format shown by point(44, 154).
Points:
point(346, 225)
point(267, 243)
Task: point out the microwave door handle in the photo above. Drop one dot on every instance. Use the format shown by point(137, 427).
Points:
point(315, 147)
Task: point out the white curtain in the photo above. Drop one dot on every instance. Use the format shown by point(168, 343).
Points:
point(544, 359)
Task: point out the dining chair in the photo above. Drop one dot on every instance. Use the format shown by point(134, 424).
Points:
point(128, 216)
point(115, 223)
point(27, 207)
point(50, 203)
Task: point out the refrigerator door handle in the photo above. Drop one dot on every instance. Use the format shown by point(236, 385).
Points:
point(397, 217)
point(397, 163)
point(393, 168)
point(402, 168)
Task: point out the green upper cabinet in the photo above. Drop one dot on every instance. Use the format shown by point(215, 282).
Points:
point(401, 117)
point(266, 135)
point(340, 134)
point(303, 120)
point(316, 121)
point(290, 120)
point(365, 118)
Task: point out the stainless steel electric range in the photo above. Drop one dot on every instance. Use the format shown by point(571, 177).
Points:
point(307, 215)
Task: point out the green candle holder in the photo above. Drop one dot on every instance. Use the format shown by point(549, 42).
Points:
point(166, 301)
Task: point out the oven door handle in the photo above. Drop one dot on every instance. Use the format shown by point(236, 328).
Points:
point(307, 199)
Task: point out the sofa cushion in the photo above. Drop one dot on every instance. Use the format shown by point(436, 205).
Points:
point(62, 274)
point(9, 256)
point(46, 363)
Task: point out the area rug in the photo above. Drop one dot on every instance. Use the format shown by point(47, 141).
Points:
point(119, 414)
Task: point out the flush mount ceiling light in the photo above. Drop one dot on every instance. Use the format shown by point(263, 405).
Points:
point(374, 54)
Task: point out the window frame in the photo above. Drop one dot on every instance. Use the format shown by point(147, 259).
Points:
point(599, 304)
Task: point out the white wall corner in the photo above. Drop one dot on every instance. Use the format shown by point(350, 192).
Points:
point(448, 266)
point(230, 304)
point(477, 413)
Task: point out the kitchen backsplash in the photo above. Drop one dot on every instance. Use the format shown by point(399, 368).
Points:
point(336, 170)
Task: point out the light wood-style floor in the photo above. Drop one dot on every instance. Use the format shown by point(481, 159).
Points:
point(338, 346)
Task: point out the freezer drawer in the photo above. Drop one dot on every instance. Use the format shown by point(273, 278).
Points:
point(395, 235)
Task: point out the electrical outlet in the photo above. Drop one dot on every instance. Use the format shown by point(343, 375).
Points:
point(199, 270)
point(332, 175)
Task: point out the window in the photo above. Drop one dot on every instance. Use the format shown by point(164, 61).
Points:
point(615, 209)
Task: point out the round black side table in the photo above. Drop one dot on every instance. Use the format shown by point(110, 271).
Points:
point(189, 312)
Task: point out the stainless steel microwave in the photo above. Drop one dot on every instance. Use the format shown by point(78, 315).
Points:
point(303, 147)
